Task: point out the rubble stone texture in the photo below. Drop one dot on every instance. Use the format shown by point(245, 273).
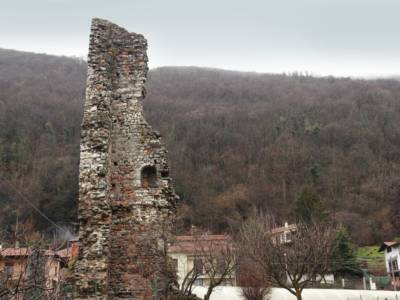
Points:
point(126, 200)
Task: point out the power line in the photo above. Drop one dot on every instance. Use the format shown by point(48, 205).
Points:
point(31, 204)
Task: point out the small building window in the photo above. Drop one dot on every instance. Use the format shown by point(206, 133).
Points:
point(198, 266)
point(149, 176)
point(288, 237)
point(389, 249)
point(394, 266)
point(175, 264)
point(198, 282)
point(9, 269)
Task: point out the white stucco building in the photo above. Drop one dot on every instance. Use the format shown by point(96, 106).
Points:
point(284, 234)
point(392, 260)
point(187, 253)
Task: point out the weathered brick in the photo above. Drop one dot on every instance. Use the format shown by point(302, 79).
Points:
point(126, 202)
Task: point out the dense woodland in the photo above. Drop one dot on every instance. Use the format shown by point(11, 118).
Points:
point(237, 141)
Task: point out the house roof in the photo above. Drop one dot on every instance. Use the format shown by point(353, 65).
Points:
point(20, 252)
point(191, 244)
point(7, 252)
point(64, 253)
point(205, 237)
point(387, 245)
point(287, 227)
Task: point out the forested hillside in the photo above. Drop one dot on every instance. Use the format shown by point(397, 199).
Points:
point(40, 112)
point(236, 141)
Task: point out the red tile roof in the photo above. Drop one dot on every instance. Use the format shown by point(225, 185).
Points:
point(18, 252)
point(205, 237)
point(191, 244)
point(15, 252)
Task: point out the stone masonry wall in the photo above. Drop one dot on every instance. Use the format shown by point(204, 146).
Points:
point(126, 201)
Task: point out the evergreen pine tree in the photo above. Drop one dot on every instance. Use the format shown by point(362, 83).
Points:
point(344, 260)
point(309, 206)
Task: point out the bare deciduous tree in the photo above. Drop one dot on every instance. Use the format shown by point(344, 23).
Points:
point(189, 280)
point(213, 258)
point(162, 273)
point(293, 265)
point(218, 260)
point(28, 278)
point(253, 283)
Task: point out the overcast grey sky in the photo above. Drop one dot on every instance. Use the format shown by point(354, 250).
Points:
point(324, 37)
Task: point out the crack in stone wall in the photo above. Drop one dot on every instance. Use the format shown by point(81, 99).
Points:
point(126, 200)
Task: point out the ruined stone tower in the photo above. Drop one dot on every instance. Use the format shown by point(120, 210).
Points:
point(126, 201)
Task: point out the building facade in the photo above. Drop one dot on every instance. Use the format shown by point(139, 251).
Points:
point(22, 269)
point(392, 260)
point(191, 252)
point(284, 233)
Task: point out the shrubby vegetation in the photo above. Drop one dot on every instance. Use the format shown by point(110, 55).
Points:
point(237, 142)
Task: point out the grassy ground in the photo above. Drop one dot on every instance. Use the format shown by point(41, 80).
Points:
point(371, 258)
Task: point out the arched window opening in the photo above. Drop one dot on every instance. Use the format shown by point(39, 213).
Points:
point(149, 176)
